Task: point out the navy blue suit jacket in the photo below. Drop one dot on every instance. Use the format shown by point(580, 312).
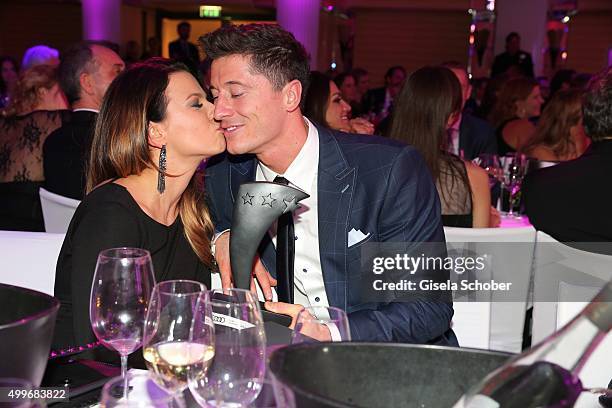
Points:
point(476, 137)
point(371, 184)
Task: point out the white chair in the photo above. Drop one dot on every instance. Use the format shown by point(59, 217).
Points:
point(493, 320)
point(29, 259)
point(57, 211)
point(565, 280)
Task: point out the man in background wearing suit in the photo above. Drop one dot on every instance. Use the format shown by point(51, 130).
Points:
point(362, 188)
point(184, 51)
point(469, 136)
point(86, 70)
point(571, 201)
point(378, 102)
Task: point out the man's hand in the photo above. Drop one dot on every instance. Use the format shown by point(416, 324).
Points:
point(310, 326)
point(362, 126)
point(259, 271)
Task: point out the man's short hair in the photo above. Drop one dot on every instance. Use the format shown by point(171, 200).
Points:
point(511, 36)
point(273, 52)
point(597, 106)
point(75, 60)
point(183, 24)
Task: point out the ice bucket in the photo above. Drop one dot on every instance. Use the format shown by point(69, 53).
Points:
point(27, 319)
point(379, 374)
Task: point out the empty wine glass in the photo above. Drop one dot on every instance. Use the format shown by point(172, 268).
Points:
point(240, 351)
point(142, 392)
point(321, 323)
point(119, 299)
point(515, 169)
point(178, 333)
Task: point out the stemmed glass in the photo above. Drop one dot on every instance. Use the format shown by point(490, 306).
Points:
point(143, 392)
point(179, 335)
point(515, 169)
point(321, 323)
point(119, 299)
point(240, 351)
point(491, 164)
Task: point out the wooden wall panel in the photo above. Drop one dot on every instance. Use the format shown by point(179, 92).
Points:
point(24, 24)
point(589, 38)
point(412, 38)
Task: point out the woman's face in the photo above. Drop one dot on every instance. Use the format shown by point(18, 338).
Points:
point(530, 106)
point(189, 126)
point(9, 72)
point(338, 111)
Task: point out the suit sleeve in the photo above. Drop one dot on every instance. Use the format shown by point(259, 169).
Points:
point(217, 193)
point(410, 213)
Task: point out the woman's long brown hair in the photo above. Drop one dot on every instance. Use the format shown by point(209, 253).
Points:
point(511, 92)
point(553, 131)
point(120, 145)
point(426, 102)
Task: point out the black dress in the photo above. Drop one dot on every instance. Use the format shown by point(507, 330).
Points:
point(108, 218)
point(503, 148)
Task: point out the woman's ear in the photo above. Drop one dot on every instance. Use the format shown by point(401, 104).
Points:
point(292, 94)
point(156, 135)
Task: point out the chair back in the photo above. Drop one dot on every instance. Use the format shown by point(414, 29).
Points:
point(29, 259)
point(493, 320)
point(57, 211)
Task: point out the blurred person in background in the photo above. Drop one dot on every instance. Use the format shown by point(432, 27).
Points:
point(325, 105)
point(469, 136)
point(571, 201)
point(559, 135)
point(561, 81)
point(378, 103)
point(184, 51)
point(429, 103)
point(85, 73)
point(348, 88)
point(40, 55)
point(9, 75)
point(513, 61)
point(32, 115)
point(519, 101)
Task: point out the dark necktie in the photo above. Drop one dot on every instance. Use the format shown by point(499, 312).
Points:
point(285, 253)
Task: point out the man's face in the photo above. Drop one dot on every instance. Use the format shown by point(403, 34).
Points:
point(184, 31)
point(363, 84)
point(109, 65)
point(251, 113)
point(395, 81)
point(466, 88)
point(514, 45)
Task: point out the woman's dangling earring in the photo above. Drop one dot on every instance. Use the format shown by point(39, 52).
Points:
point(161, 177)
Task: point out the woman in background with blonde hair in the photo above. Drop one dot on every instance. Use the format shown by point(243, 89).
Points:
point(154, 129)
point(519, 100)
point(33, 113)
point(559, 135)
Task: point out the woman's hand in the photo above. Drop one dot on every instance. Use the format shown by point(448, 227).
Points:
point(362, 126)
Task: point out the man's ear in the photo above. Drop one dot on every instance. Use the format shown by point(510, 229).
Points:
point(156, 136)
point(292, 94)
point(86, 82)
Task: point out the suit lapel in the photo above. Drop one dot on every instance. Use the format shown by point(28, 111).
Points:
point(336, 183)
point(241, 172)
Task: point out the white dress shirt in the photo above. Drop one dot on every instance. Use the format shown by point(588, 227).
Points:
point(309, 287)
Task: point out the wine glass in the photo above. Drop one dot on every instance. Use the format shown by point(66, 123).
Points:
point(143, 392)
point(178, 333)
point(240, 351)
point(491, 164)
point(515, 169)
point(321, 323)
point(119, 299)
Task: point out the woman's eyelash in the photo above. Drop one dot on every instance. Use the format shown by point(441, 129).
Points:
point(198, 105)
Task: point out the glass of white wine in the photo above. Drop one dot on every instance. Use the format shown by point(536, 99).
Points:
point(179, 335)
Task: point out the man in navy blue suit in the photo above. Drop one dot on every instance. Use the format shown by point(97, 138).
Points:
point(362, 188)
point(470, 136)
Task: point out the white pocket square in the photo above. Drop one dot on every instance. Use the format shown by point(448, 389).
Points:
point(356, 236)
